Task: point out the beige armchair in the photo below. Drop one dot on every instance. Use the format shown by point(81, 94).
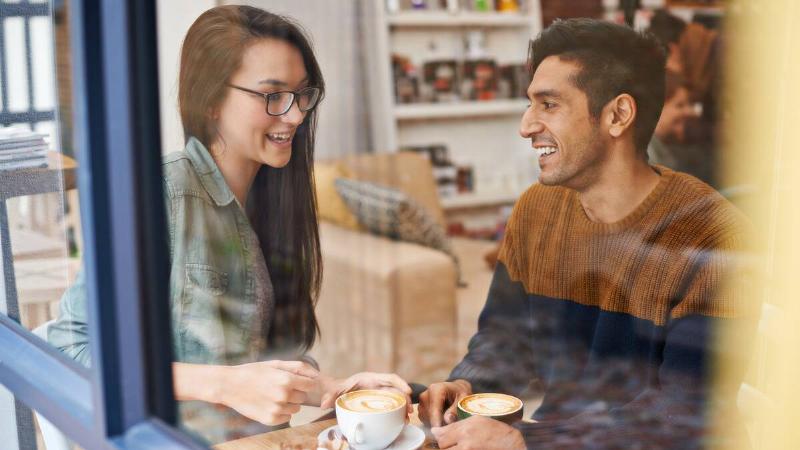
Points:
point(394, 306)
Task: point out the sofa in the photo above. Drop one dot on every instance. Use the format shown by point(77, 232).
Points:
point(387, 305)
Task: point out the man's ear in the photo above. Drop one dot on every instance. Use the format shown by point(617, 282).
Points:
point(620, 114)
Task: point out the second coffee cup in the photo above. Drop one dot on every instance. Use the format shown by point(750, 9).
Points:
point(371, 419)
point(502, 407)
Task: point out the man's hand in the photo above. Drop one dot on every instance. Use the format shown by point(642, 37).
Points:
point(432, 402)
point(479, 432)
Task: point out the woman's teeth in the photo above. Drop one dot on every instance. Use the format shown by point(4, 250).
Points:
point(545, 150)
point(279, 137)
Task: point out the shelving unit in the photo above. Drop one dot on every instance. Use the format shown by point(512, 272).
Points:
point(473, 200)
point(481, 134)
point(460, 110)
point(461, 19)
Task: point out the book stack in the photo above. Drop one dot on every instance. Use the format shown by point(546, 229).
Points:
point(22, 149)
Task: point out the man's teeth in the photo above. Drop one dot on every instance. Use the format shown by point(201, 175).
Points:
point(545, 150)
point(279, 137)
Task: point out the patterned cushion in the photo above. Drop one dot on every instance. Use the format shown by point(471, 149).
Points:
point(331, 206)
point(388, 212)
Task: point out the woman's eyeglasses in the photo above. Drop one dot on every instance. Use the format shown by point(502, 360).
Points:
point(279, 103)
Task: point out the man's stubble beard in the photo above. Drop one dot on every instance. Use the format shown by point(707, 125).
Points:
point(579, 173)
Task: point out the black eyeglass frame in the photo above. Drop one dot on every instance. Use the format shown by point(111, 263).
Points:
point(295, 94)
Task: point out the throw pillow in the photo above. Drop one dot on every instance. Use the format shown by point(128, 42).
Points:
point(330, 204)
point(388, 212)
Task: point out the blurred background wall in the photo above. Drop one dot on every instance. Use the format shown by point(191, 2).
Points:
point(334, 30)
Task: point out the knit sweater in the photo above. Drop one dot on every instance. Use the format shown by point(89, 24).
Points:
point(614, 323)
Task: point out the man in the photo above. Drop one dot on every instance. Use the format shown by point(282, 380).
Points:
point(609, 282)
point(692, 78)
point(664, 147)
point(668, 29)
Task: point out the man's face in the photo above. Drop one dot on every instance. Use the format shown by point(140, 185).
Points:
point(563, 133)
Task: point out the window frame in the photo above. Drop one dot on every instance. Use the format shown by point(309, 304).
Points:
point(125, 400)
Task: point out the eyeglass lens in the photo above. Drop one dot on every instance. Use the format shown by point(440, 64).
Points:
point(280, 102)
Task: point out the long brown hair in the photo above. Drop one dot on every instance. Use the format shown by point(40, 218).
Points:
point(281, 204)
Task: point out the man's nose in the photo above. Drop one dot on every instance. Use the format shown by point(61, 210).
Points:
point(530, 125)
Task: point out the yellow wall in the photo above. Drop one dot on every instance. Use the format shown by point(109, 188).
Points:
point(763, 149)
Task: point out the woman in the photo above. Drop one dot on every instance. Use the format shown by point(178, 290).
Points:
point(244, 244)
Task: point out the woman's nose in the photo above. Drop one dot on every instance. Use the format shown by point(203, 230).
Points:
point(294, 116)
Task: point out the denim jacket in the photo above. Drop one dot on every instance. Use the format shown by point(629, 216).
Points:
point(220, 292)
point(217, 278)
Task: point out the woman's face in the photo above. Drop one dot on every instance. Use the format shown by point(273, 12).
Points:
point(246, 131)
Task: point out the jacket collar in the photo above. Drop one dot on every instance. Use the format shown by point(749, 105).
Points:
point(210, 176)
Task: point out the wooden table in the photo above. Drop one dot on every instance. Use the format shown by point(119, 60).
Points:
point(295, 435)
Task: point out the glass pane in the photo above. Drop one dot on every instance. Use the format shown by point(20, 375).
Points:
point(607, 299)
point(16, 66)
point(40, 223)
point(41, 30)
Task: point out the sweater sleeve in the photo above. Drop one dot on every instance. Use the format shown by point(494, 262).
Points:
point(710, 327)
point(70, 332)
point(500, 357)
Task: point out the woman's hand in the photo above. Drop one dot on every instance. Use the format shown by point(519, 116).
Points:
point(268, 392)
point(332, 389)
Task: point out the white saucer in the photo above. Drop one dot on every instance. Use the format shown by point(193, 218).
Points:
point(411, 438)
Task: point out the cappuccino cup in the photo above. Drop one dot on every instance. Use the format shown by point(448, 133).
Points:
point(371, 419)
point(502, 407)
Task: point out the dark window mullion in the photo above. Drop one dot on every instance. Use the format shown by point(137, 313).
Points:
point(93, 181)
point(35, 116)
point(157, 328)
point(29, 64)
point(118, 328)
point(3, 66)
point(125, 237)
point(46, 380)
point(23, 9)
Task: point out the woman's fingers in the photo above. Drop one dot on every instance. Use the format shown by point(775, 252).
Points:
point(373, 380)
point(292, 396)
point(271, 391)
point(327, 400)
point(296, 367)
point(396, 382)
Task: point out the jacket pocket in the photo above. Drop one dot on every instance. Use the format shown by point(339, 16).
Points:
point(202, 326)
point(206, 278)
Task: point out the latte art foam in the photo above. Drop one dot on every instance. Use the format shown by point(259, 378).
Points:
point(490, 404)
point(368, 401)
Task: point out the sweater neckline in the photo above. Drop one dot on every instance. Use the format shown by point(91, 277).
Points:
point(588, 225)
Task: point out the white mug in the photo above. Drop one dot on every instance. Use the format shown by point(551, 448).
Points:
point(371, 428)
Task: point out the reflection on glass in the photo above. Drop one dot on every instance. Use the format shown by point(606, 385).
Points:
point(244, 248)
point(38, 200)
point(600, 315)
point(37, 186)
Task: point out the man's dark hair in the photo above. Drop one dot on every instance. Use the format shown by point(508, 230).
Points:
point(666, 27)
point(613, 60)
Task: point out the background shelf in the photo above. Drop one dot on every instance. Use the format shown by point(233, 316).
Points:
point(475, 199)
point(463, 19)
point(459, 109)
